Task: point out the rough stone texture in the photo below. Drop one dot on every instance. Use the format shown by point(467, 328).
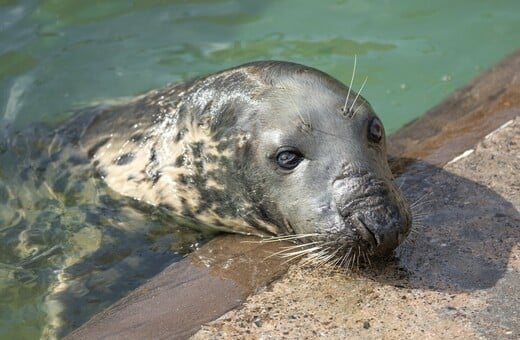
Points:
point(459, 276)
point(495, 162)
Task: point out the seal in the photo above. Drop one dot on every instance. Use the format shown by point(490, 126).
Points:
point(265, 148)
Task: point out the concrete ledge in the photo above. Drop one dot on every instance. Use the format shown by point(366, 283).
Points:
point(176, 302)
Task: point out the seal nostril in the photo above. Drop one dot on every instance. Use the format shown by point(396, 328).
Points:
point(365, 233)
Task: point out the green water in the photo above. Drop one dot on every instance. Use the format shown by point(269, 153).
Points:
point(57, 56)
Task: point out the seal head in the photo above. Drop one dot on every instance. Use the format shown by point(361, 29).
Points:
point(265, 148)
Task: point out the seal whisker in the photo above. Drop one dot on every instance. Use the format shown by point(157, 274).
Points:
point(417, 225)
point(305, 126)
point(357, 96)
point(358, 256)
point(366, 259)
point(418, 222)
point(303, 245)
point(421, 205)
point(336, 261)
point(333, 262)
point(356, 267)
point(330, 257)
point(287, 237)
point(282, 253)
point(312, 257)
point(418, 217)
point(270, 239)
point(321, 243)
point(286, 250)
point(303, 251)
point(351, 260)
point(291, 259)
point(350, 84)
point(294, 257)
point(411, 237)
point(356, 110)
point(344, 261)
point(316, 258)
point(345, 257)
point(322, 253)
point(421, 201)
point(420, 213)
point(339, 259)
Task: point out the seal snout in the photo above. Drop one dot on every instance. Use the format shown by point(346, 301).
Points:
point(377, 234)
point(373, 211)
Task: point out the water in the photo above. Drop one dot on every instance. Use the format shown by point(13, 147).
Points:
point(61, 230)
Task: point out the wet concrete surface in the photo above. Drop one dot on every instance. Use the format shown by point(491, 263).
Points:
point(185, 295)
point(457, 276)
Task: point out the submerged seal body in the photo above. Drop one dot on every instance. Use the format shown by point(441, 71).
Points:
point(266, 148)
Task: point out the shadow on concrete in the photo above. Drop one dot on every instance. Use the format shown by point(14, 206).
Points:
point(462, 236)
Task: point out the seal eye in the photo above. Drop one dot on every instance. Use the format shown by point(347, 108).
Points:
point(288, 159)
point(375, 130)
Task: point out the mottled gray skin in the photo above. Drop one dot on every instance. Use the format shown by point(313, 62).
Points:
point(207, 150)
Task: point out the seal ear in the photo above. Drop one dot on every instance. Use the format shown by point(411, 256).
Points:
point(204, 123)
